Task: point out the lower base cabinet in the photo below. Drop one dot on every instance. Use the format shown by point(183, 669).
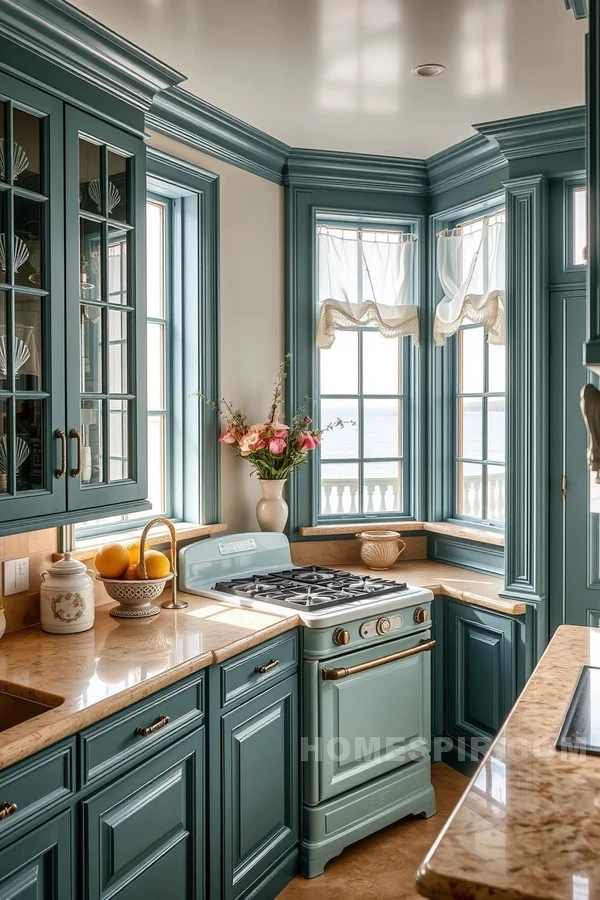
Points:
point(39, 865)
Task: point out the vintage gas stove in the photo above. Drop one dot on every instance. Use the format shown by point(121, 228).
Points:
point(365, 677)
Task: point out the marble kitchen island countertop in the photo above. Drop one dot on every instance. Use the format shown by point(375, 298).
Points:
point(119, 662)
point(528, 825)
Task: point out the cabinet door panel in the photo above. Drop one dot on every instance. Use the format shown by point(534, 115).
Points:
point(481, 671)
point(32, 308)
point(38, 867)
point(106, 314)
point(260, 785)
point(146, 829)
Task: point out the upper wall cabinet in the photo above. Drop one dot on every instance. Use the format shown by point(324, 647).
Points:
point(591, 350)
point(71, 278)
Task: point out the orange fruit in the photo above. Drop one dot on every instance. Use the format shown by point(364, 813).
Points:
point(134, 553)
point(157, 565)
point(130, 574)
point(112, 560)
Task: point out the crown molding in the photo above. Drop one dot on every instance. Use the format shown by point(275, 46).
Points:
point(556, 131)
point(184, 117)
point(358, 171)
point(67, 37)
point(457, 165)
point(579, 8)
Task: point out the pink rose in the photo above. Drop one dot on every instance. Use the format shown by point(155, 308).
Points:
point(227, 437)
point(250, 443)
point(307, 441)
point(276, 446)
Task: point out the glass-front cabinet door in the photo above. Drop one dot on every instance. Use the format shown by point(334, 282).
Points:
point(105, 214)
point(32, 313)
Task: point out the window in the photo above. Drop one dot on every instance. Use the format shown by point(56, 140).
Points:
point(364, 378)
point(579, 235)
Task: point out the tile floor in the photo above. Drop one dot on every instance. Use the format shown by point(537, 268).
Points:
point(383, 866)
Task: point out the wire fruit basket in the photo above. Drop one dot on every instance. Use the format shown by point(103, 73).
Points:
point(135, 598)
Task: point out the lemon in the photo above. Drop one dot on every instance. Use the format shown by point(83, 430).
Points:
point(157, 565)
point(134, 553)
point(112, 561)
point(130, 574)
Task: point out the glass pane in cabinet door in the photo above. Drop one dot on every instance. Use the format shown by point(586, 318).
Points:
point(29, 445)
point(90, 260)
point(5, 462)
point(3, 172)
point(3, 240)
point(92, 462)
point(27, 151)
point(118, 355)
point(117, 186)
point(27, 263)
point(28, 343)
point(3, 342)
point(119, 440)
point(117, 266)
point(383, 487)
point(91, 348)
point(91, 197)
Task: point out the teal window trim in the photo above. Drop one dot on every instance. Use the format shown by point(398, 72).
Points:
point(303, 208)
point(193, 461)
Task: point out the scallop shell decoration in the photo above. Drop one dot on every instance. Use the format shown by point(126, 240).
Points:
point(20, 253)
point(95, 192)
point(22, 451)
point(21, 354)
point(20, 160)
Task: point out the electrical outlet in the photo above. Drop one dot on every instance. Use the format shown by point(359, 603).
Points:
point(16, 576)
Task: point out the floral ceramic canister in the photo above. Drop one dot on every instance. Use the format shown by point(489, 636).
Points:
point(67, 597)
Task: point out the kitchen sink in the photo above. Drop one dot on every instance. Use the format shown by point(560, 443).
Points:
point(18, 705)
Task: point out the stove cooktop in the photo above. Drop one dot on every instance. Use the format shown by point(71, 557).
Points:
point(310, 587)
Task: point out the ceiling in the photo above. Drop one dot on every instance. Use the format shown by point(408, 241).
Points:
point(335, 74)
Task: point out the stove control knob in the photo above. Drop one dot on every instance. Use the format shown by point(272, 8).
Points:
point(341, 636)
point(421, 615)
point(383, 626)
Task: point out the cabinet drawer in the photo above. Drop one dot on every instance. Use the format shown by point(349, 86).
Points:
point(37, 785)
point(115, 741)
point(240, 678)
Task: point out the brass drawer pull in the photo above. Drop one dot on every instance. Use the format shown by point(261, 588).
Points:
point(7, 809)
point(260, 670)
point(59, 433)
point(336, 674)
point(150, 729)
point(75, 434)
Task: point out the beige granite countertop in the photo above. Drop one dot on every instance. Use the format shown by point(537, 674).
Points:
point(528, 825)
point(118, 662)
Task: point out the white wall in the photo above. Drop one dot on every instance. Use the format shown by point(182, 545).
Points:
point(251, 308)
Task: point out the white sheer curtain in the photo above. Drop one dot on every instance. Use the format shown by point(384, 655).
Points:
point(471, 269)
point(366, 277)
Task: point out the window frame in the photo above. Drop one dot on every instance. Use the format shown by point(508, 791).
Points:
point(570, 187)
point(193, 492)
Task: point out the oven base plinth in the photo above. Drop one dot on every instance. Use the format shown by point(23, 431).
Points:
point(332, 826)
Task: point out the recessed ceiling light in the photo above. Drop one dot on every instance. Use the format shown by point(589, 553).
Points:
point(428, 70)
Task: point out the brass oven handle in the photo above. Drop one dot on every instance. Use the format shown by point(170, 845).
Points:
point(150, 729)
point(336, 674)
point(260, 670)
point(75, 434)
point(7, 809)
point(59, 433)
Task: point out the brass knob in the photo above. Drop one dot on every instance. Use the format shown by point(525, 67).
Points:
point(421, 615)
point(341, 636)
point(7, 809)
point(383, 626)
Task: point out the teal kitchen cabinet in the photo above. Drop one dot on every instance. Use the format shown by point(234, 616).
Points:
point(39, 865)
point(144, 833)
point(591, 350)
point(72, 313)
point(480, 672)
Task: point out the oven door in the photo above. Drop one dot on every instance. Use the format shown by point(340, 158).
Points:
point(374, 712)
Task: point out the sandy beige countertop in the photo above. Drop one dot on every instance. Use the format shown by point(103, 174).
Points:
point(118, 662)
point(528, 825)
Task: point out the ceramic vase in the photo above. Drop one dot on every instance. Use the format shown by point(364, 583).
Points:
point(272, 510)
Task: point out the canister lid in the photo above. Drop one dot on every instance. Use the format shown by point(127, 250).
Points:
point(67, 566)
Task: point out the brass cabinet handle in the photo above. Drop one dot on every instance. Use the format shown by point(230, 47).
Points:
point(59, 433)
point(260, 670)
point(7, 809)
point(75, 434)
point(150, 729)
point(336, 674)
